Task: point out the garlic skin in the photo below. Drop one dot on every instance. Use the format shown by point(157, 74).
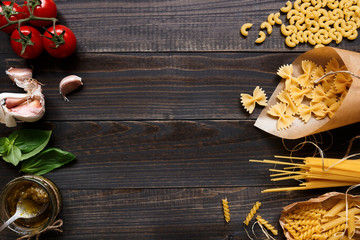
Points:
point(69, 84)
point(19, 75)
point(27, 107)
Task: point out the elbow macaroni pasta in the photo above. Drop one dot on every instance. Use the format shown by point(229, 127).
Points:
point(244, 29)
point(271, 19)
point(327, 20)
point(267, 26)
point(287, 7)
point(277, 19)
point(261, 37)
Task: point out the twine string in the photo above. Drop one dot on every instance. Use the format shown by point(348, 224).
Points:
point(350, 145)
point(347, 156)
point(335, 72)
point(56, 226)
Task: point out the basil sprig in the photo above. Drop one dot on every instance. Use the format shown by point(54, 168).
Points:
point(28, 147)
point(23, 144)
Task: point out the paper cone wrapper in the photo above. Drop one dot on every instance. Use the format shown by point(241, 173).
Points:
point(348, 112)
point(327, 201)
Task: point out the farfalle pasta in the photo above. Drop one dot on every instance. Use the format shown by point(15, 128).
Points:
point(249, 102)
point(305, 79)
point(317, 92)
point(286, 72)
point(285, 119)
point(304, 98)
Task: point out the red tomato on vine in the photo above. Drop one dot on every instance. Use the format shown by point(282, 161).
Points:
point(59, 43)
point(11, 11)
point(27, 42)
point(41, 8)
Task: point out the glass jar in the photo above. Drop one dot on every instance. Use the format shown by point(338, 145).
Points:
point(20, 186)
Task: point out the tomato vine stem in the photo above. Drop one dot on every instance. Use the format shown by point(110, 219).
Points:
point(20, 21)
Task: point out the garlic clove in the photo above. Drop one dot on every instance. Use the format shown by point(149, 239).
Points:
point(13, 102)
point(19, 75)
point(69, 84)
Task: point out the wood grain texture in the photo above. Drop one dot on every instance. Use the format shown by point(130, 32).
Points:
point(171, 25)
point(165, 154)
point(158, 128)
point(157, 86)
point(183, 213)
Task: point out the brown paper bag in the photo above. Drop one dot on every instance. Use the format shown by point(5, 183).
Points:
point(327, 200)
point(349, 111)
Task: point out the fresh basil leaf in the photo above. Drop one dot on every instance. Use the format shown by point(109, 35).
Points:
point(46, 161)
point(30, 141)
point(4, 146)
point(14, 156)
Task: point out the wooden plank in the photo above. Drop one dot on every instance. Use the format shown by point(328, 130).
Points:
point(162, 154)
point(171, 25)
point(157, 86)
point(184, 213)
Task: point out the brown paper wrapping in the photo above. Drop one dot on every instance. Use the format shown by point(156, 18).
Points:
point(327, 200)
point(349, 111)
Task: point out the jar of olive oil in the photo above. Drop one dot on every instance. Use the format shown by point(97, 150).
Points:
point(39, 189)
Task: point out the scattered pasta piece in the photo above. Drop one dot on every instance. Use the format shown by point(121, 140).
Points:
point(267, 26)
point(270, 19)
point(277, 18)
point(261, 37)
point(249, 101)
point(225, 205)
point(252, 213)
point(268, 226)
point(244, 29)
point(287, 7)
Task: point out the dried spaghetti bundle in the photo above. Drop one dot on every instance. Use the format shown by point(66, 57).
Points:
point(316, 172)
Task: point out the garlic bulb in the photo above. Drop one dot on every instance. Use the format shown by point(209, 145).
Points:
point(69, 84)
point(27, 107)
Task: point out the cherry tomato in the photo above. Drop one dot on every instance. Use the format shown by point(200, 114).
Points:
point(27, 42)
point(41, 8)
point(60, 43)
point(13, 12)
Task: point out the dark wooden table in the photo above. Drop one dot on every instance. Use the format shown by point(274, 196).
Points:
point(158, 129)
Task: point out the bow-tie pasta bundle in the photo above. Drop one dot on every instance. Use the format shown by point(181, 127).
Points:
point(318, 92)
